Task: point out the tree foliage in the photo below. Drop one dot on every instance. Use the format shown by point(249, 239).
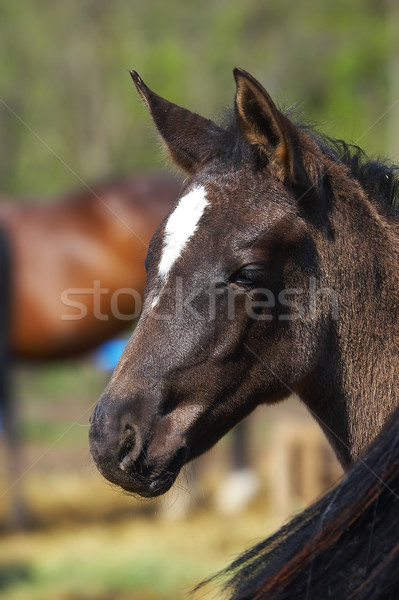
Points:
point(67, 98)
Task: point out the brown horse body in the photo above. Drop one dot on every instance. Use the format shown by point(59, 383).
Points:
point(72, 277)
point(78, 264)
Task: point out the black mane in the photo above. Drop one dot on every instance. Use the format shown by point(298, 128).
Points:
point(341, 546)
point(379, 178)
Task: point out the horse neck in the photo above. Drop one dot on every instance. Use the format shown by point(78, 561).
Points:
point(355, 387)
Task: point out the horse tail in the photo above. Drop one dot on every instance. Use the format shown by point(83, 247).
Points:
point(8, 414)
point(5, 306)
point(346, 545)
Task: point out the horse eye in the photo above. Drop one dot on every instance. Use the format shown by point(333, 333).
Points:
point(252, 275)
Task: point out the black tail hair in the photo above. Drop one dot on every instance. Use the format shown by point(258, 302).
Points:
point(345, 546)
point(5, 305)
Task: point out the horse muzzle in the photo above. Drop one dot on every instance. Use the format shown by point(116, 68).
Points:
point(135, 451)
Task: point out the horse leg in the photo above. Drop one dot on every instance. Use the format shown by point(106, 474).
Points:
point(18, 512)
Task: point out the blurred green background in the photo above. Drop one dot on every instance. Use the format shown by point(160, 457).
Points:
point(69, 112)
point(64, 73)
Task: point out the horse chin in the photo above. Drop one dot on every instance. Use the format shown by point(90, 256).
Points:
point(151, 488)
point(147, 479)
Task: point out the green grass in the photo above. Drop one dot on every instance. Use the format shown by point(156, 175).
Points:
point(55, 401)
point(160, 574)
point(51, 382)
point(49, 433)
point(140, 560)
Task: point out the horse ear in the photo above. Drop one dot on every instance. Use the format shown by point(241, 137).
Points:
point(189, 138)
point(265, 127)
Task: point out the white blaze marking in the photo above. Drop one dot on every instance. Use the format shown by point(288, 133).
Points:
point(180, 227)
point(154, 302)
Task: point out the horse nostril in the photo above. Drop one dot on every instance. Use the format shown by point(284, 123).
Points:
point(125, 450)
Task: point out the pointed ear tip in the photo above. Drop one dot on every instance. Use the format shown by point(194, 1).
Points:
point(238, 73)
point(136, 77)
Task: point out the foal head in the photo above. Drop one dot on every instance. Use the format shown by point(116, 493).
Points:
point(229, 318)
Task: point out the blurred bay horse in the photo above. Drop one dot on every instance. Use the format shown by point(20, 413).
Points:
point(72, 275)
point(275, 273)
point(77, 263)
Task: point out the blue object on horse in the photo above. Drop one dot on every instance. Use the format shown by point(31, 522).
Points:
point(107, 355)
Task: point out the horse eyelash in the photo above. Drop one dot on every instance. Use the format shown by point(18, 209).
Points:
point(247, 273)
